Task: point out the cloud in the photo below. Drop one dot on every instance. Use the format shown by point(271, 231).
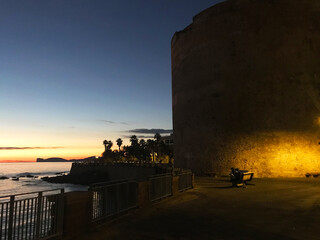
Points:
point(138, 136)
point(27, 148)
point(107, 121)
point(151, 131)
point(112, 122)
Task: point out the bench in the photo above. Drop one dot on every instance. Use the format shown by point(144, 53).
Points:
point(314, 174)
point(239, 178)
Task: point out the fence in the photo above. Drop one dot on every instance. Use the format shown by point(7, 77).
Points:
point(38, 216)
point(185, 181)
point(112, 198)
point(160, 186)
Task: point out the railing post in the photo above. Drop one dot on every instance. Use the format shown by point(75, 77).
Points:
point(38, 222)
point(170, 185)
point(60, 212)
point(10, 225)
point(104, 194)
point(150, 189)
point(117, 202)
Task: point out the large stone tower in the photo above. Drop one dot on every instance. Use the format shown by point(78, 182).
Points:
point(246, 88)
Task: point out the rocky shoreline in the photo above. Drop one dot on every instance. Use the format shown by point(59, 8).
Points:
point(16, 178)
point(61, 177)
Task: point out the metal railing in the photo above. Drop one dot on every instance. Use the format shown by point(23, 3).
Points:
point(31, 215)
point(185, 181)
point(112, 198)
point(160, 186)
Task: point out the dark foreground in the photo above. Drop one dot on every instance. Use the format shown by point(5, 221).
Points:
point(269, 209)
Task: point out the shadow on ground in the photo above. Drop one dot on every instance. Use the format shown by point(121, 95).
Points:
point(267, 209)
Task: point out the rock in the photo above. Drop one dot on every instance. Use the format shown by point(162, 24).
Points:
point(3, 177)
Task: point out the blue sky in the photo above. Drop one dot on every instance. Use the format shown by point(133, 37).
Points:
point(76, 72)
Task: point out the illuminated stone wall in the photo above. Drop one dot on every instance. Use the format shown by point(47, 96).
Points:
point(246, 88)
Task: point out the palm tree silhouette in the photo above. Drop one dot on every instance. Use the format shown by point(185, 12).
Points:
point(150, 146)
point(134, 140)
point(157, 137)
point(119, 143)
point(105, 143)
point(109, 145)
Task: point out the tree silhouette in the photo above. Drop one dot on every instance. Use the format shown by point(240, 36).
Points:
point(142, 143)
point(107, 154)
point(157, 137)
point(105, 143)
point(132, 151)
point(119, 143)
point(109, 145)
point(165, 151)
point(134, 140)
point(138, 150)
point(151, 147)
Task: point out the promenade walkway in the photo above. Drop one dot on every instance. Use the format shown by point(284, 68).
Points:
point(269, 209)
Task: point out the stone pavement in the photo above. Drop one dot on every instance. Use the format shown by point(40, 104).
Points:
point(267, 209)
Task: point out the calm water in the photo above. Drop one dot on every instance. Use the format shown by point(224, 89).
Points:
point(9, 187)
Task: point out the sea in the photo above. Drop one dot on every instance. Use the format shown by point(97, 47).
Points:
point(34, 184)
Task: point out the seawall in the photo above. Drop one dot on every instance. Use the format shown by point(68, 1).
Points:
point(119, 170)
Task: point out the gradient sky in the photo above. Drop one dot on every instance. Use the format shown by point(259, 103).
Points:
point(75, 72)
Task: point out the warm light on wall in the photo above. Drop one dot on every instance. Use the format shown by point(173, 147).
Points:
point(317, 121)
point(280, 154)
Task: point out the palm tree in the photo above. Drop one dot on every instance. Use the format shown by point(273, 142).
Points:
point(142, 143)
point(144, 152)
point(109, 145)
point(150, 146)
point(157, 137)
point(105, 143)
point(134, 140)
point(107, 155)
point(119, 143)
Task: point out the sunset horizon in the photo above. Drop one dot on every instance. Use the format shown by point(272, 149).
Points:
point(74, 74)
point(159, 119)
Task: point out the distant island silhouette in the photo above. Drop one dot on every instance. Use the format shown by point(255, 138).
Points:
point(55, 159)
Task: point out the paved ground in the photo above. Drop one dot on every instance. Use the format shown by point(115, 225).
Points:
point(269, 209)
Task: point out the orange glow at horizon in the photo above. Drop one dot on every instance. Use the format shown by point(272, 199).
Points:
point(30, 155)
point(48, 143)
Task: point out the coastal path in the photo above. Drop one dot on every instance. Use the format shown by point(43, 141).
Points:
point(266, 209)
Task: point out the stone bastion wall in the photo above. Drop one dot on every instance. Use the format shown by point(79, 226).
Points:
point(118, 171)
point(246, 89)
